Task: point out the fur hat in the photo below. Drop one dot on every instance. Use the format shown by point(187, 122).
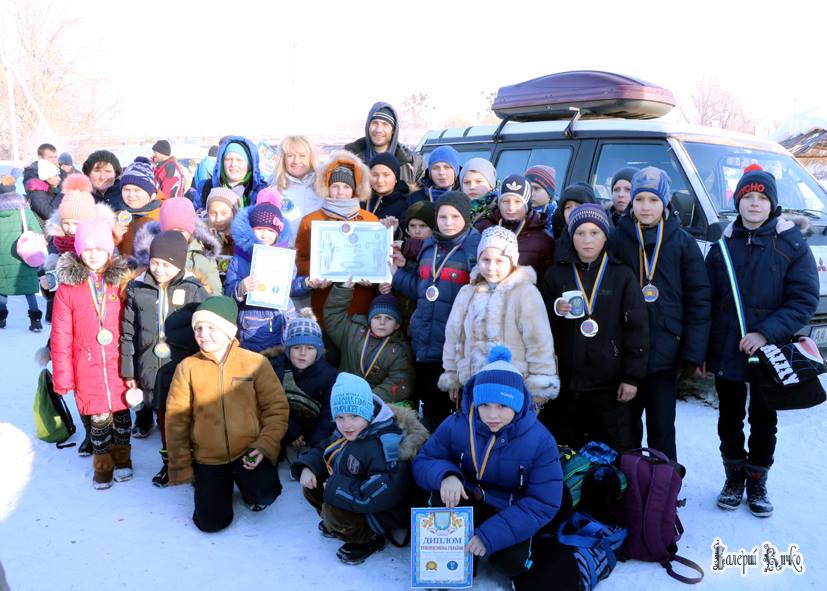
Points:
point(591, 213)
point(501, 239)
point(652, 180)
point(140, 174)
point(305, 330)
point(545, 176)
point(178, 214)
point(482, 166)
point(94, 233)
point(518, 186)
point(499, 382)
point(351, 395)
point(758, 180)
point(220, 311)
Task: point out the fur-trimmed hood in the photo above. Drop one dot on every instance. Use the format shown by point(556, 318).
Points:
point(11, 201)
point(361, 174)
point(52, 226)
point(784, 223)
point(522, 274)
point(210, 246)
point(244, 238)
point(72, 271)
point(414, 433)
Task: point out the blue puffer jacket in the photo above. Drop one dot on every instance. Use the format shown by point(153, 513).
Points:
point(679, 319)
point(258, 328)
point(779, 285)
point(251, 187)
point(429, 319)
point(523, 479)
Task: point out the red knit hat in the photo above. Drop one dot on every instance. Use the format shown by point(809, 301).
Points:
point(178, 214)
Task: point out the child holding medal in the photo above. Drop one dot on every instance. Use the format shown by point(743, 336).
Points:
point(84, 345)
point(603, 350)
point(155, 331)
point(675, 287)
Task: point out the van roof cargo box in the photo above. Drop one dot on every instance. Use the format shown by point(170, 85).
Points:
point(596, 94)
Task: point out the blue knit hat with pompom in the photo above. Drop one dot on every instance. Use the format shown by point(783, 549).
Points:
point(500, 382)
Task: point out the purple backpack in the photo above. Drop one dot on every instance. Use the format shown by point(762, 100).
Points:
point(651, 510)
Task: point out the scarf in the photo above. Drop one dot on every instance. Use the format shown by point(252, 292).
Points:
point(142, 211)
point(64, 243)
point(345, 209)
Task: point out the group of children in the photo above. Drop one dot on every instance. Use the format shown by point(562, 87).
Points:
point(515, 320)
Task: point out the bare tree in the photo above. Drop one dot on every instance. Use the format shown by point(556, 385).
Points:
point(486, 114)
point(715, 106)
point(416, 110)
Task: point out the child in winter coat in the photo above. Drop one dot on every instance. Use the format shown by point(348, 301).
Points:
point(389, 195)
point(156, 331)
point(142, 204)
point(444, 266)
point(496, 456)
point(603, 345)
point(418, 225)
point(222, 206)
point(442, 175)
point(202, 247)
point(501, 304)
point(86, 327)
point(778, 282)
point(373, 346)
point(572, 196)
point(621, 189)
point(478, 180)
point(359, 479)
point(675, 287)
point(543, 180)
point(307, 380)
point(512, 211)
point(226, 416)
point(43, 191)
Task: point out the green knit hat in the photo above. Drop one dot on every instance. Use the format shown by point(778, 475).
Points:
point(219, 311)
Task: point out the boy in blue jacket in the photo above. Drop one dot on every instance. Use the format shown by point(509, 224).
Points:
point(495, 455)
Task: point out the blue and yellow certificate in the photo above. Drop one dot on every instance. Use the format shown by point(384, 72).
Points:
point(438, 556)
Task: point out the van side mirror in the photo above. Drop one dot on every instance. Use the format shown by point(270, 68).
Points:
point(683, 205)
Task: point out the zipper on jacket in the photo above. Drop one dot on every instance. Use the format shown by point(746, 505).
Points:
point(103, 358)
point(223, 411)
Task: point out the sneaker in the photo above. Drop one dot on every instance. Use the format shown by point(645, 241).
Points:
point(351, 553)
point(161, 479)
point(123, 474)
point(324, 531)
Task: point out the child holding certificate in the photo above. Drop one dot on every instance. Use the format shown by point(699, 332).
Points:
point(601, 330)
point(672, 277)
point(359, 479)
point(496, 456)
point(155, 330)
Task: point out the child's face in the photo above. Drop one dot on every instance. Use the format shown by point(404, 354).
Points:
point(495, 416)
point(235, 167)
point(568, 207)
point(474, 184)
point(383, 325)
point(622, 194)
point(419, 229)
point(494, 265)
point(443, 175)
point(134, 196)
point(209, 338)
point(539, 196)
point(94, 258)
point(341, 191)
point(163, 271)
point(221, 215)
point(69, 227)
point(754, 208)
point(512, 208)
point(266, 236)
point(382, 179)
point(648, 208)
point(588, 241)
point(303, 356)
point(350, 426)
point(449, 220)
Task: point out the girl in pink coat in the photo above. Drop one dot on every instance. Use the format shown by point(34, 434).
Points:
point(85, 337)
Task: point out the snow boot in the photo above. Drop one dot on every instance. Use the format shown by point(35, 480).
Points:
point(161, 479)
point(324, 531)
point(351, 553)
point(757, 499)
point(143, 423)
point(733, 492)
point(85, 448)
point(3, 315)
point(103, 466)
point(122, 458)
point(34, 321)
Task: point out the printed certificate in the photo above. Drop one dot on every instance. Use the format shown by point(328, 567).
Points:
point(438, 539)
point(274, 269)
point(339, 250)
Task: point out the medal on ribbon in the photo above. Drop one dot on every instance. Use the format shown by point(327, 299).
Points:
point(432, 292)
point(650, 292)
point(589, 327)
point(162, 350)
point(104, 336)
point(377, 352)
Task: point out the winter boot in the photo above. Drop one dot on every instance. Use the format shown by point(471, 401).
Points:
point(143, 423)
point(103, 466)
point(161, 479)
point(3, 315)
point(50, 304)
point(85, 448)
point(122, 457)
point(324, 531)
point(757, 499)
point(351, 553)
point(34, 321)
point(733, 492)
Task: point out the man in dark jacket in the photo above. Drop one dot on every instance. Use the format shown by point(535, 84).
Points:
point(381, 135)
point(169, 176)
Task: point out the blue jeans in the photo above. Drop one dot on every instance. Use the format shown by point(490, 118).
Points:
point(30, 298)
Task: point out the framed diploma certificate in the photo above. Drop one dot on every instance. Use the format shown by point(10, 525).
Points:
point(339, 250)
point(438, 556)
point(273, 268)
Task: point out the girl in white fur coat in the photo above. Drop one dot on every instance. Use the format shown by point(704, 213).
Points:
point(501, 305)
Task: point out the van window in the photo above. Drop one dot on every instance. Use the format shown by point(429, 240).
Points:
point(464, 155)
point(517, 161)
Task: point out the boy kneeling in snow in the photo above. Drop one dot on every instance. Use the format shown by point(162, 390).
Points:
point(366, 463)
point(226, 415)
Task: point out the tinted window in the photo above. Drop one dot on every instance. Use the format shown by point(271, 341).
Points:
point(464, 155)
point(517, 161)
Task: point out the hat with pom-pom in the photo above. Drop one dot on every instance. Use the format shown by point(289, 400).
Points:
point(178, 214)
point(94, 233)
point(305, 330)
point(500, 382)
point(757, 180)
point(77, 202)
point(8, 184)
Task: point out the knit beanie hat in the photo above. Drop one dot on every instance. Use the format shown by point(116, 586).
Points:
point(236, 148)
point(499, 382)
point(220, 311)
point(77, 202)
point(101, 156)
point(758, 180)
point(304, 330)
point(502, 239)
point(589, 212)
point(224, 195)
point(140, 174)
point(518, 186)
point(545, 176)
point(171, 246)
point(213, 151)
point(46, 170)
point(482, 166)
point(384, 114)
point(267, 215)
point(342, 174)
point(652, 180)
point(385, 304)
point(445, 154)
point(351, 395)
point(162, 147)
point(178, 214)
point(421, 210)
point(94, 233)
point(579, 192)
point(7, 185)
point(624, 174)
point(386, 159)
point(457, 200)
point(65, 159)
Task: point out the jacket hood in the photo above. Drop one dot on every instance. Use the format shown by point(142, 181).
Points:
point(778, 225)
point(252, 153)
point(369, 151)
point(72, 271)
point(362, 191)
point(245, 239)
point(522, 274)
point(523, 420)
point(12, 201)
point(414, 434)
point(211, 246)
point(52, 226)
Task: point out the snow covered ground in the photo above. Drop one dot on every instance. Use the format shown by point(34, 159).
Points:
point(57, 533)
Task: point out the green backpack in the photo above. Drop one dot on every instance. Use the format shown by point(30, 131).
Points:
point(51, 415)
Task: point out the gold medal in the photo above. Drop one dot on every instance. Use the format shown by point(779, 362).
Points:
point(105, 336)
point(589, 328)
point(432, 293)
point(162, 350)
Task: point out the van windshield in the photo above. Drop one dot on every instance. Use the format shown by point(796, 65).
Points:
point(720, 167)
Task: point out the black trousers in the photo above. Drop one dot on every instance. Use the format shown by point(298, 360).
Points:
point(657, 395)
point(436, 404)
point(763, 421)
point(214, 491)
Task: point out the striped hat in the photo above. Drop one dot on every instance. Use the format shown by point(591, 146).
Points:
point(304, 330)
point(518, 186)
point(545, 176)
point(589, 213)
point(500, 382)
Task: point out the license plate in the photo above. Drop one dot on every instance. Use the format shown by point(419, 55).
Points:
point(819, 335)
